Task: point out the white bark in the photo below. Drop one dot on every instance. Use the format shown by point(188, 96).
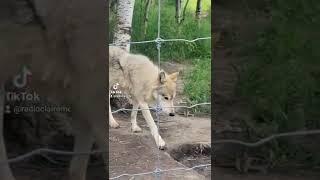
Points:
point(122, 35)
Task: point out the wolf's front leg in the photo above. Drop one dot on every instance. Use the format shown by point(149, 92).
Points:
point(152, 125)
point(112, 123)
point(134, 125)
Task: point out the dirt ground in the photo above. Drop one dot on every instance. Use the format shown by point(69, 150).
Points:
point(137, 152)
point(132, 153)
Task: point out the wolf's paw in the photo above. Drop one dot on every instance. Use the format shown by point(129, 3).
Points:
point(161, 144)
point(114, 124)
point(136, 129)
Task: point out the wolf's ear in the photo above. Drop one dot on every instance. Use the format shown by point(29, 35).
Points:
point(174, 76)
point(162, 77)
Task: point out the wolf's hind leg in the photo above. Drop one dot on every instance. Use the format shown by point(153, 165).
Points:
point(112, 123)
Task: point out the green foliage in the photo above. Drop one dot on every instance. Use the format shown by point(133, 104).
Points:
point(281, 78)
point(198, 85)
point(170, 29)
point(198, 53)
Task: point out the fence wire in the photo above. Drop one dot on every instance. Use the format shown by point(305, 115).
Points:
point(159, 40)
point(159, 171)
point(267, 139)
point(158, 108)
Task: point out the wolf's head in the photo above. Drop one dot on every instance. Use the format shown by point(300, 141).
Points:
point(167, 91)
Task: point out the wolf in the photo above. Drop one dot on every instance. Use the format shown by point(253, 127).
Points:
point(62, 43)
point(145, 84)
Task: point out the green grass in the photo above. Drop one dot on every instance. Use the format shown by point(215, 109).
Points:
point(198, 83)
point(189, 29)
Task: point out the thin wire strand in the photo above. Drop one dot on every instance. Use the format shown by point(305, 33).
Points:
point(155, 108)
point(158, 45)
point(162, 171)
point(267, 139)
point(159, 39)
point(186, 40)
point(52, 151)
point(159, 16)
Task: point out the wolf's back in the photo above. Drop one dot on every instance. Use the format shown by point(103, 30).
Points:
point(131, 71)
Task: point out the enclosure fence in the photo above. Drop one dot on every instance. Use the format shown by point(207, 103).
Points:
point(157, 172)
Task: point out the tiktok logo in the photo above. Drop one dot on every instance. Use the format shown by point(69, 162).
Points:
point(116, 86)
point(21, 79)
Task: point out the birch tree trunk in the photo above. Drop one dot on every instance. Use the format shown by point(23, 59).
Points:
point(122, 35)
